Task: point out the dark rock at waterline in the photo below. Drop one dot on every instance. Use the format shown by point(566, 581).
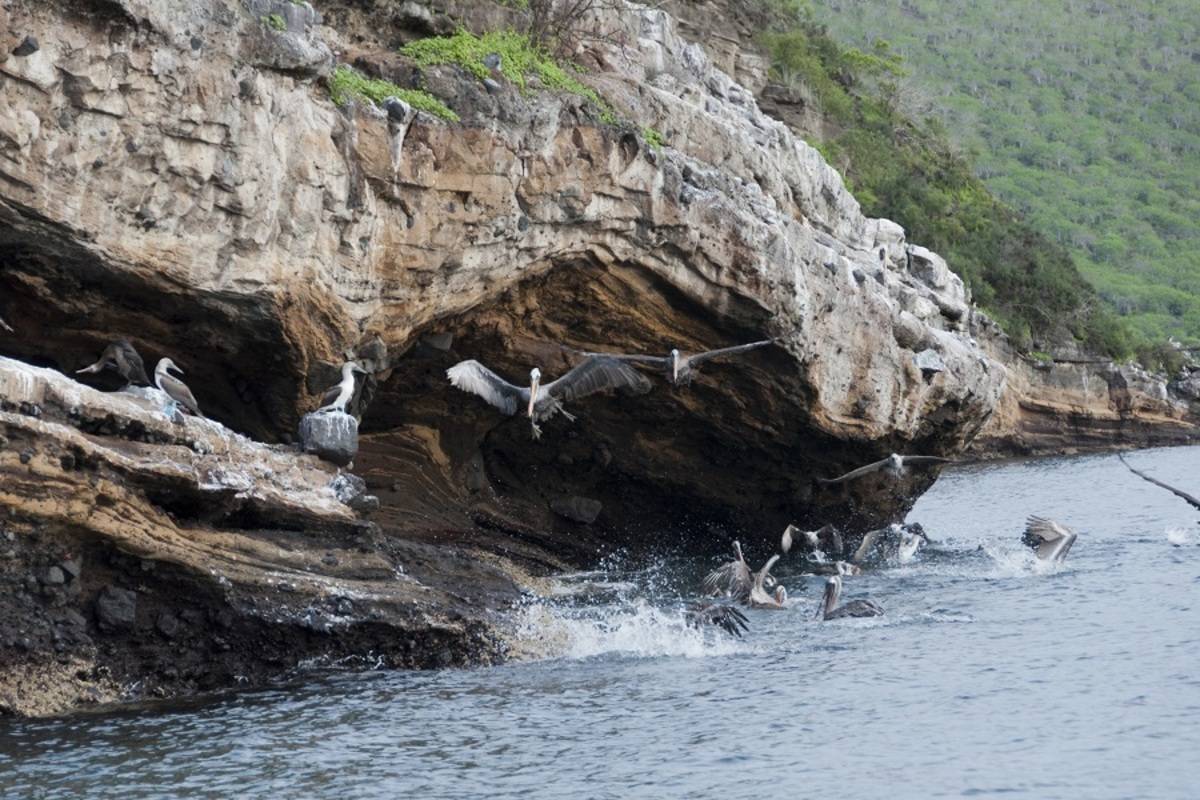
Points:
point(331, 435)
point(577, 509)
point(116, 609)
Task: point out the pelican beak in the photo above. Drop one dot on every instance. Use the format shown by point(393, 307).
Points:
point(533, 396)
point(93, 368)
point(674, 368)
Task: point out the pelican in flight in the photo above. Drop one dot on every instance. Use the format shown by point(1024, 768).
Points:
point(723, 615)
point(1187, 498)
point(829, 608)
point(896, 544)
point(758, 590)
point(337, 396)
point(1048, 539)
point(680, 368)
point(894, 466)
point(176, 389)
point(121, 357)
point(593, 374)
point(827, 540)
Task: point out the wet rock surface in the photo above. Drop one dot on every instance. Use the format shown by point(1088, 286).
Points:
point(331, 435)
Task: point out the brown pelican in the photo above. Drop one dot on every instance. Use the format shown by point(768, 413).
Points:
point(829, 608)
point(896, 544)
point(1187, 498)
point(121, 357)
point(732, 579)
point(723, 615)
point(1050, 540)
point(176, 389)
point(337, 396)
point(835, 568)
point(758, 593)
point(593, 374)
point(680, 368)
point(894, 465)
point(827, 539)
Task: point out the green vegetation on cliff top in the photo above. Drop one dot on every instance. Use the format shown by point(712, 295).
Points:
point(1084, 116)
point(346, 83)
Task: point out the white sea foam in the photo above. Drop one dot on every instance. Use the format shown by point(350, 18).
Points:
point(1181, 537)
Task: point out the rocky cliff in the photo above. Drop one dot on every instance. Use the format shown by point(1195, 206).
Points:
point(179, 175)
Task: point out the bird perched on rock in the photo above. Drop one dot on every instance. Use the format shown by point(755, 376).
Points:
point(1048, 539)
point(680, 368)
point(122, 357)
point(723, 615)
point(174, 388)
point(594, 374)
point(337, 396)
point(829, 608)
point(894, 466)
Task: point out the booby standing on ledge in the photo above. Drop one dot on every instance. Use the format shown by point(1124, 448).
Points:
point(337, 396)
point(175, 389)
point(120, 356)
point(894, 465)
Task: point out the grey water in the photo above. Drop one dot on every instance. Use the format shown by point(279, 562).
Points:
point(988, 676)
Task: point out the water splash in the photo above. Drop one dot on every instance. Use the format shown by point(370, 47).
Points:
point(1183, 537)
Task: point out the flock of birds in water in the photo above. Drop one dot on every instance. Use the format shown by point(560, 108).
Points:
point(733, 584)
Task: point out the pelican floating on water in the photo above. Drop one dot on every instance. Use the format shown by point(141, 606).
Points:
point(680, 368)
point(723, 615)
point(758, 590)
point(593, 374)
point(826, 539)
point(1187, 498)
point(337, 396)
point(829, 608)
point(176, 389)
point(1047, 538)
point(894, 466)
point(122, 357)
point(896, 544)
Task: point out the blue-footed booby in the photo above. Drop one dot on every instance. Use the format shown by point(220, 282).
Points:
point(680, 368)
point(894, 465)
point(122, 357)
point(593, 374)
point(337, 396)
point(174, 388)
point(829, 608)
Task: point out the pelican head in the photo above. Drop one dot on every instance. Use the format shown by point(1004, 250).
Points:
point(833, 590)
point(535, 380)
point(785, 544)
point(737, 548)
point(168, 364)
point(780, 594)
point(674, 365)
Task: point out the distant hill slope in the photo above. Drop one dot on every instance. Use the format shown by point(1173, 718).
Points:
point(1084, 114)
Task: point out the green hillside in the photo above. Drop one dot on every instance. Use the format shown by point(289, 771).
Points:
point(1082, 114)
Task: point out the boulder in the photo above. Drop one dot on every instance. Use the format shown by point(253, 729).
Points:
point(331, 435)
point(577, 509)
point(116, 609)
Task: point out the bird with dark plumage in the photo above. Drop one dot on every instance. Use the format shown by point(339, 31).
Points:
point(124, 359)
point(827, 539)
point(1184, 496)
point(680, 368)
point(829, 608)
point(723, 615)
point(541, 402)
point(1048, 539)
point(174, 388)
point(894, 466)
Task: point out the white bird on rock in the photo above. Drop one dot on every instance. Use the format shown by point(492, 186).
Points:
point(174, 388)
point(594, 374)
point(337, 396)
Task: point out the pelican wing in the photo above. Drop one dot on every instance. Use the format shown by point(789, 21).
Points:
point(473, 377)
point(636, 358)
point(178, 391)
point(700, 358)
point(4, 325)
point(926, 460)
point(1048, 538)
point(857, 473)
point(856, 608)
point(724, 616)
point(758, 592)
point(869, 541)
point(597, 374)
point(732, 579)
point(1180, 494)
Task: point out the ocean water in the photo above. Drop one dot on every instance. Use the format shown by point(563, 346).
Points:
point(990, 675)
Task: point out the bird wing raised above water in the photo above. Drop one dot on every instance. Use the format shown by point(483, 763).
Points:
point(1187, 498)
point(597, 374)
point(732, 579)
point(856, 473)
point(700, 358)
point(1048, 538)
point(724, 616)
point(473, 377)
